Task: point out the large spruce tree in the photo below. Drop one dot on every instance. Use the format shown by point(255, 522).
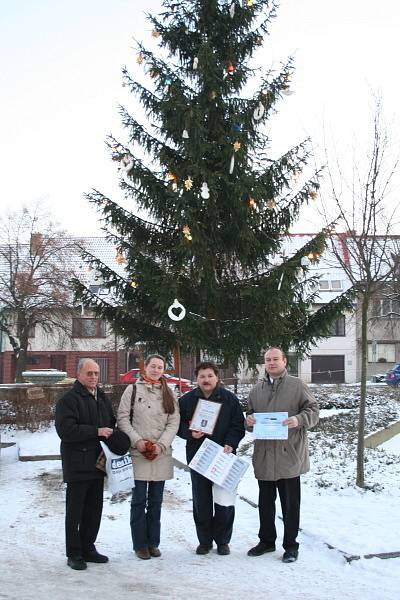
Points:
point(211, 205)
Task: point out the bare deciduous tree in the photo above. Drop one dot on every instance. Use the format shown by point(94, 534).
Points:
point(35, 274)
point(367, 250)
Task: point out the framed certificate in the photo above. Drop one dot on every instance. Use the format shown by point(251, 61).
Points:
point(205, 416)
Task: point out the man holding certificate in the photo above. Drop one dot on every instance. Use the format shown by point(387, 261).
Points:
point(210, 411)
point(281, 409)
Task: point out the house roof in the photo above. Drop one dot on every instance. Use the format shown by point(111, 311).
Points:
point(327, 268)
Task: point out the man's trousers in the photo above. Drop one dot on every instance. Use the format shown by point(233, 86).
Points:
point(213, 521)
point(289, 495)
point(84, 505)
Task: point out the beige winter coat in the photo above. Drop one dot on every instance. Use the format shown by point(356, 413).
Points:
point(283, 459)
point(149, 422)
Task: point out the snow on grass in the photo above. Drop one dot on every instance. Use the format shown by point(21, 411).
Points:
point(334, 511)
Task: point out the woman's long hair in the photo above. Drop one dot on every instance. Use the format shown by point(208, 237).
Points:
point(168, 400)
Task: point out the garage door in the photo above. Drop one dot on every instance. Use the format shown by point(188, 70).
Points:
point(327, 369)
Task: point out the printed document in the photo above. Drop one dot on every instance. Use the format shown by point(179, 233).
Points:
point(269, 426)
point(220, 467)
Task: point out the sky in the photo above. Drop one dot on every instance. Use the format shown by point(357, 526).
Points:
point(60, 81)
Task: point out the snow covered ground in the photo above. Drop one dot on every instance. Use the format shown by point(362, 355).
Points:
point(33, 565)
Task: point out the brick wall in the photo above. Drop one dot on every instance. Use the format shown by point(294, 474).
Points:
point(110, 363)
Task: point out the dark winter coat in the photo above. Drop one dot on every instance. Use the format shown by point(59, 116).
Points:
point(78, 417)
point(229, 428)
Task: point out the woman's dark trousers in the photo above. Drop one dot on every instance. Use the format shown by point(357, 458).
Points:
point(146, 504)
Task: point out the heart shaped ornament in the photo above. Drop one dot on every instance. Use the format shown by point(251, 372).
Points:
point(176, 311)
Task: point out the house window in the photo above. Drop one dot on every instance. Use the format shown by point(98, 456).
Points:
point(88, 328)
point(292, 364)
point(32, 360)
point(330, 285)
point(388, 307)
point(97, 289)
point(381, 353)
point(338, 327)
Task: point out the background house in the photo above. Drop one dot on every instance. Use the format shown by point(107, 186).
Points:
point(333, 360)
point(383, 331)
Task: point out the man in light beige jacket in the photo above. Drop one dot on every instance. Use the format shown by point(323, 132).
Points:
point(278, 464)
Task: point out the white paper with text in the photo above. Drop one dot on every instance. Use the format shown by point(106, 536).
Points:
point(220, 467)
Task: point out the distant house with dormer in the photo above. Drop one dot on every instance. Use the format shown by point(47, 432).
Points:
point(334, 359)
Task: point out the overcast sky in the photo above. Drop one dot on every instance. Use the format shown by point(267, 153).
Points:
point(60, 78)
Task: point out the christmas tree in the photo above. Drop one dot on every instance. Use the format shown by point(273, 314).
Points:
point(217, 204)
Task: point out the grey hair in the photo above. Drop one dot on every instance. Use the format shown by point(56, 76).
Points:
point(82, 362)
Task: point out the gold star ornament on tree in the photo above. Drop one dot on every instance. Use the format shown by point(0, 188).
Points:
point(119, 259)
point(188, 183)
point(186, 233)
point(252, 203)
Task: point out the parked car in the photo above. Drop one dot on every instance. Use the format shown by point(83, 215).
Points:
point(378, 378)
point(130, 376)
point(184, 385)
point(393, 376)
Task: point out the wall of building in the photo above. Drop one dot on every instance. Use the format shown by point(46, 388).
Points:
point(62, 342)
point(111, 363)
point(380, 331)
point(336, 345)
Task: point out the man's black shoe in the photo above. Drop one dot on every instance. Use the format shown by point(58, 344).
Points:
point(223, 549)
point(261, 548)
point(95, 557)
point(203, 548)
point(76, 563)
point(290, 556)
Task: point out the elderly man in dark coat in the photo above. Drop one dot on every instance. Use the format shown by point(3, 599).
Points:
point(83, 416)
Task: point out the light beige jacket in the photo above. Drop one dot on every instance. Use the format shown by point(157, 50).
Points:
point(283, 459)
point(149, 422)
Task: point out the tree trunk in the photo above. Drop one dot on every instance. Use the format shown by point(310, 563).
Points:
point(363, 391)
point(235, 378)
point(20, 365)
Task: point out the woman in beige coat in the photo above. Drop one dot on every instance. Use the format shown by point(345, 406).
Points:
point(149, 414)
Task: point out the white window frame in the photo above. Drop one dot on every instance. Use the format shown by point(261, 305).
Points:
point(383, 351)
point(330, 285)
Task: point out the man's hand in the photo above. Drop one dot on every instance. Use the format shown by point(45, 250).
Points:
point(228, 449)
point(104, 432)
point(250, 421)
point(197, 434)
point(291, 422)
